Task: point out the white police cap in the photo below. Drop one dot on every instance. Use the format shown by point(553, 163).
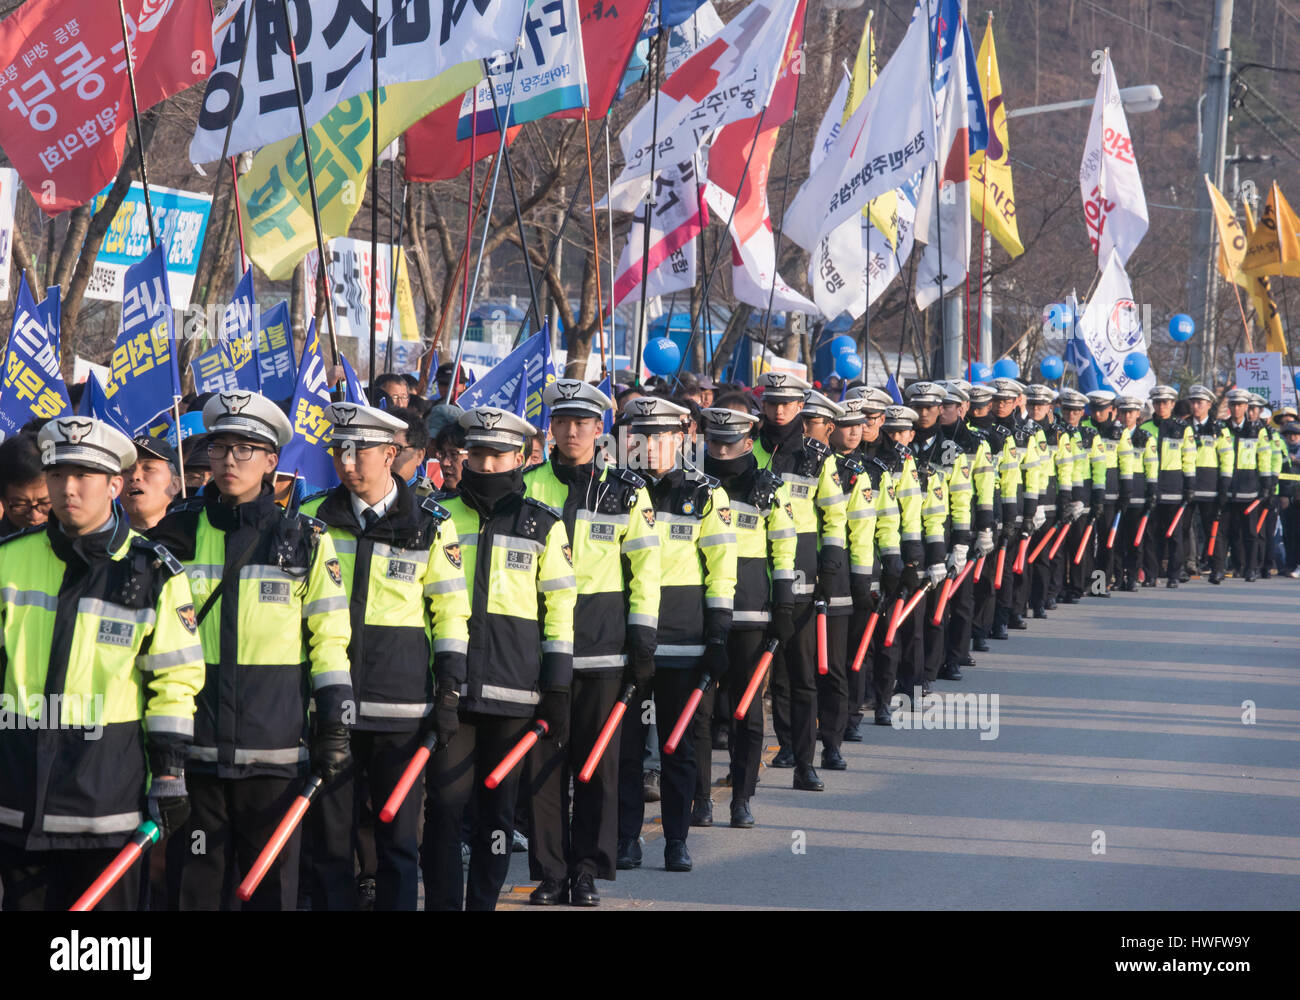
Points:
point(572, 397)
point(817, 405)
point(362, 424)
point(652, 414)
point(874, 400)
point(495, 428)
point(87, 442)
point(247, 415)
point(782, 387)
point(1101, 398)
point(724, 424)
point(900, 418)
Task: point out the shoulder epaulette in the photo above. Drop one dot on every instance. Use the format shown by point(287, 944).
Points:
point(186, 506)
point(21, 533)
point(162, 555)
point(533, 502)
point(434, 509)
point(625, 477)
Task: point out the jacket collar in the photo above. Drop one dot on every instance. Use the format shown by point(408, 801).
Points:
point(258, 512)
point(103, 544)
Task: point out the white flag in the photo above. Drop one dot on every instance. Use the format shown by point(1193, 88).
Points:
point(679, 217)
point(754, 278)
point(889, 138)
point(1111, 329)
point(884, 265)
point(832, 124)
point(1114, 207)
point(837, 270)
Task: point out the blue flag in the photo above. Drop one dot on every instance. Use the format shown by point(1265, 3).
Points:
point(143, 380)
point(308, 452)
point(945, 21)
point(500, 386)
point(94, 403)
point(238, 348)
point(353, 392)
point(891, 387)
point(607, 421)
point(32, 386)
point(275, 353)
point(50, 312)
point(741, 368)
point(668, 14)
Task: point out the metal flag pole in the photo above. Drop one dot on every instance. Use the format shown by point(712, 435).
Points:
point(374, 186)
point(660, 50)
point(394, 257)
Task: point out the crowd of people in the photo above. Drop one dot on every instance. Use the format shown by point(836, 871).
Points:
point(187, 635)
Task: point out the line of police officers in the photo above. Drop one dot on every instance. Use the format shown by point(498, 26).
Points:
point(196, 673)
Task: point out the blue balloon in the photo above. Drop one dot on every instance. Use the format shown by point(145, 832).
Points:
point(1136, 365)
point(980, 372)
point(1051, 367)
point(1181, 327)
point(1297, 380)
point(1006, 368)
point(843, 344)
point(662, 356)
point(848, 365)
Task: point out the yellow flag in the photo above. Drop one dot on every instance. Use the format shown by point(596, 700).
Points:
point(274, 199)
point(1232, 240)
point(1261, 297)
point(882, 210)
point(992, 197)
point(1274, 246)
point(407, 328)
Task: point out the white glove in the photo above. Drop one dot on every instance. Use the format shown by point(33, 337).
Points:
point(1075, 510)
point(1039, 518)
point(984, 543)
point(937, 573)
point(957, 559)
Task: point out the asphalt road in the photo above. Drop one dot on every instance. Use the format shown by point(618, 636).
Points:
point(1145, 758)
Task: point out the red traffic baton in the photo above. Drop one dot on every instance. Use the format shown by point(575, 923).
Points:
point(1002, 564)
point(1214, 534)
point(1065, 530)
point(1033, 556)
point(900, 616)
point(1083, 544)
point(1263, 515)
point(823, 661)
point(1018, 567)
point(760, 671)
point(404, 783)
point(950, 586)
point(1142, 530)
point(1253, 505)
point(979, 568)
point(1114, 527)
point(606, 734)
point(867, 633)
point(517, 753)
point(145, 835)
point(688, 713)
point(279, 838)
point(1173, 525)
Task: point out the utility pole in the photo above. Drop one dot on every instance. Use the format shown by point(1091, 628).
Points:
point(1203, 285)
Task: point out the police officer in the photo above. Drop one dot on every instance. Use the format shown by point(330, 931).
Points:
point(1051, 474)
point(986, 475)
point(1138, 467)
point(765, 553)
point(697, 542)
point(1269, 467)
point(611, 527)
point(408, 610)
point(518, 566)
point(1104, 462)
point(1072, 404)
point(1215, 464)
point(1016, 462)
point(273, 620)
point(1249, 441)
point(1174, 488)
point(89, 753)
point(901, 577)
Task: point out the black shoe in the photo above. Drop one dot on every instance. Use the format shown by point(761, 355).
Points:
point(1017, 623)
point(1069, 599)
point(702, 812)
point(1129, 586)
point(366, 892)
point(650, 787)
point(852, 734)
point(1170, 584)
point(1049, 604)
point(741, 817)
point(1182, 576)
point(966, 661)
point(721, 738)
point(1104, 593)
point(629, 854)
point(925, 688)
point(1152, 582)
point(1040, 613)
point(1216, 578)
point(806, 780)
point(833, 760)
point(1251, 576)
point(883, 719)
point(784, 758)
point(978, 646)
point(676, 857)
point(999, 632)
point(549, 892)
point(583, 891)
point(1264, 574)
point(950, 672)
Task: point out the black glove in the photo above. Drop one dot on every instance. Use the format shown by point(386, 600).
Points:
point(715, 660)
point(169, 803)
point(1150, 503)
point(1189, 490)
point(554, 709)
point(331, 750)
point(781, 627)
point(860, 589)
point(446, 715)
point(830, 563)
point(890, 573)
point(640, 668)
point(1098, 500)
point(911, 578)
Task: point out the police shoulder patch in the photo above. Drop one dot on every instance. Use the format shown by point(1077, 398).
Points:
point(649, 515)
point(567, 551)
point(189, 617)
point(789, 510)
point(335, 571)
point(724, 515)
point(452, 552)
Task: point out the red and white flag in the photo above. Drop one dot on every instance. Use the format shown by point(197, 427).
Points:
point(679, 216)
point(1114, 207)
point(66, 100)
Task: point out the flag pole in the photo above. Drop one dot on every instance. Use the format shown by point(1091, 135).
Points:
point(609, 217)
point(938, 212)
point(595, 249)
point(394, 257)
point(1276, 195)
point(471, 214)
point(984, 208)
point(374, 188)
point(661, 45)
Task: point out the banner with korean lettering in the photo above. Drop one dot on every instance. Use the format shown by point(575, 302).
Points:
point(143, 381)
point(66, 101)
point(8, 203)
point(181, 218)
point(275, 352)
point(417, 40)
point(308, 449)
point(32, 386)
point(1114, 206)
point(530, 361)
point(679, 215)
point(1109, 330)
point(94, 403)
point(1261, 373)
point(549, 76)
point(236, 338)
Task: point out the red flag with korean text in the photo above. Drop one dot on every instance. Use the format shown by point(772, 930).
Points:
point(433, 153)
point(609, 34)
point(65, 100)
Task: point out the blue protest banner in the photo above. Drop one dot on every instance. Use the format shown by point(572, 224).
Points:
point(532, 361)
point(235, 336)
point(50, 312)
point(275, 353)
point(353, 391)
point(32, 386)
point(308, 451)
point(143, 380)
point(94, 403)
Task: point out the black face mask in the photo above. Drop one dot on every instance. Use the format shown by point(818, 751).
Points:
point(787, 436)
point(729, 468)
point(485, 490)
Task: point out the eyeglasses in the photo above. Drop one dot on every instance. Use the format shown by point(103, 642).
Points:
point(242, 452)
point(25, 506)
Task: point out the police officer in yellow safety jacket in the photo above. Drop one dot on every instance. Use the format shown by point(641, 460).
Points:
point(99, 666)
point(819, 505)
point(1174, 488)
point(1249, 475)
point(409, 614)
point(985, 476)
point(1054, 489)
point(1103, 459)
point(273, 620)
point(1138, 467)
point(1270, 464)
point(1017, 500)
point(1281, 492)
point(697, 544)
point(1215, 464)
point(516, 561)
point(1071, 404)
point(612, 527)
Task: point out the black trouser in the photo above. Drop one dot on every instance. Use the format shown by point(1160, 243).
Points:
point(1104, 558)
point(672, 687)
point(1167, 558)
point(35, 881)
point(934, 637)
point(1129, 554)
point(586, 841)
point(909, 640)
point(1004, 597)
point(335, 819)
point(1241, 535)
point(961, 616)
point(857, 679)
point(1040, 571)
point(1267, 560)
point(794, 688)
point(833, 686)
point(1291, 533)
point(455, 777)
point(983, 596)
point(1078, 575)
point(1208, 511)
point(236, 817)
point(1056, 576)
point(744, 649)
point(701, 730)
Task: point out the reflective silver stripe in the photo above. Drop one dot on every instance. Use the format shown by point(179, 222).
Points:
point(169, 724)
point(790, 477)
point(721, 603)
point(783, 533)
point(722, 538)
point(669, 518)
point(1176, 497)
point(467, 540)
point(393, 552)
point(644, 542)
point(840, 602)
point(11, 817)
point(103, 609)
point(911, 536)
point(266, 573)
point(29, 598)
point(557, 646)
point(680, 651)
point(832, 542)
point(203, 753)
point(450, 646)
point(289, 755)
point(515, 695)
point(516, 544)
point(744, 508)
point(445, 586)
point(861, 569)
point(804, 588)
point(319, 607)
point(597, 662)
point(891, 550)
point(750, 616)
point(831, 501)
point(330, 677)
point(161, 661)
point(559, 583)
point(862, 512)
point(345, 545)
point(395, 709)
point(116, 823)
point(587, 515)
point(782, 574)
point(648, 621)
